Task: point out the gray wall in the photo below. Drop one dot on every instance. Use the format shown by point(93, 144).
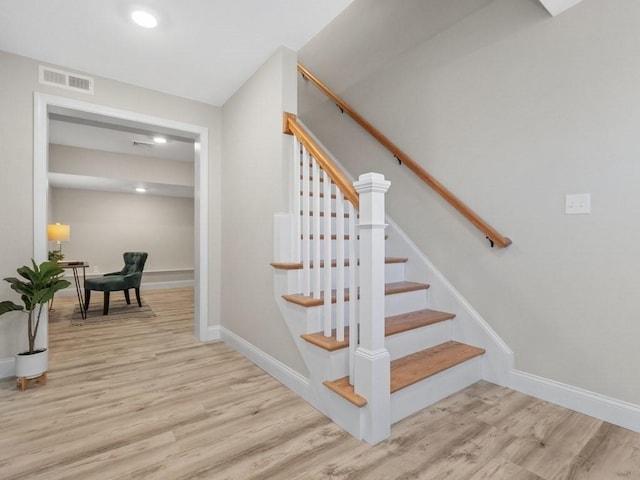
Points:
point(163, 226)
point(18, 81)
point(255, 172)
point(105, 224)
point(511, 109)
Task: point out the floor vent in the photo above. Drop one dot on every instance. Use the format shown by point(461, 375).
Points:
point(67, 80)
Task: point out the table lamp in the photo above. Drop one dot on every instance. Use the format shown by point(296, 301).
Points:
point(58, 233)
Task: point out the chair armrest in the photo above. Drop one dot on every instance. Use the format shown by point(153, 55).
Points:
point(112, 273)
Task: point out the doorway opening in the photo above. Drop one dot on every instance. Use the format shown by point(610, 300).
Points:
point(44, 105)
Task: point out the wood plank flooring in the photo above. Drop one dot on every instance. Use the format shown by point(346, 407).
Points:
point(141, 399)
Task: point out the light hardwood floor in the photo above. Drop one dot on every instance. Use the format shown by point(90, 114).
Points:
point(142, 399)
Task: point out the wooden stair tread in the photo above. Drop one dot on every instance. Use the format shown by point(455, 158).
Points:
point(330, 344)
point(389, 289)
point(411, 369)
point(412, 320)
point(341, 387)
point(393, 325)
point(298, 265)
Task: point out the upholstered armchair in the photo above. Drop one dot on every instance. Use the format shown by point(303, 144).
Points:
point(129, 277)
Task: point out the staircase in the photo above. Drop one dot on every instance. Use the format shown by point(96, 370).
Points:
point(418, 355)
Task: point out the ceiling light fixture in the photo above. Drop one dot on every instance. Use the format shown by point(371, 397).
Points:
point(159, 139)
point(141, 189)
point(144, 19)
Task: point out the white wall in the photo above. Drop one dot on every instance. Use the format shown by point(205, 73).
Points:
point(18, 81)
point(106, 224)
point(161, 226)
point(255, 171)
point(512, 109)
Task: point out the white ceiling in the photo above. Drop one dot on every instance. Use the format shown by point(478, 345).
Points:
point(202, 49)
point(118, 139)
point(96, 132)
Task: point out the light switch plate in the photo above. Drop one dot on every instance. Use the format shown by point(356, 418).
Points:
point(577, 204)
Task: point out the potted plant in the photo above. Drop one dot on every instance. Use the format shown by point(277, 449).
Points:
point(37, 286)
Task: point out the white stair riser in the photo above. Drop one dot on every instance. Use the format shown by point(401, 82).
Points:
point(334, 365)
point(315, 317)
point(328, 365)
point(333, 204)
point(333, 249)
point(411, 399)
point(395, 305)
point(333, 187)
point(333, 225)
point(406, 343)
point(405, 302)
point(394, 272)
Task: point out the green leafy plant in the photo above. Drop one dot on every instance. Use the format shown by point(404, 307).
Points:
point(37, 286)
point(55, 255)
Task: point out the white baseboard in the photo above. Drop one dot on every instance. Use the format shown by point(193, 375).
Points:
point(71, 290)
point(278, 370)
point(211, 334)
point(163, 285)
point(7, 367)
point(605, 408)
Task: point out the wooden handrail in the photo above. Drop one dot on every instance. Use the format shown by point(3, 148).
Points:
point(491, 233)
point(293, 127)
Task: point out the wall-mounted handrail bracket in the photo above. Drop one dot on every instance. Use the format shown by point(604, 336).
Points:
point(490, 241)
point(398, 159)
point(492, 234)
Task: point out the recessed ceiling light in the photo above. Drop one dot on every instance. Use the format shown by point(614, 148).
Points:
point(159, 139)
point(144, 19)
point(141, 189)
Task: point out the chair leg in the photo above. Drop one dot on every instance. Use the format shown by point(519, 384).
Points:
point(87, 297)
point(126, 297)
point(138, 296)
point(105, 308)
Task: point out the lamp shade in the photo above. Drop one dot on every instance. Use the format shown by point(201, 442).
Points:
point(58, 233)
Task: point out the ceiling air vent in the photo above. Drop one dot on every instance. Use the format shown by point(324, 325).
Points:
point(70, 81)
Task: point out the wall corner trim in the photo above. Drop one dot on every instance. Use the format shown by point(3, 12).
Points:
point(212, 333)
point(605, 408)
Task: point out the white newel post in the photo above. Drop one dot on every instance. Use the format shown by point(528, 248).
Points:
point(372, 361)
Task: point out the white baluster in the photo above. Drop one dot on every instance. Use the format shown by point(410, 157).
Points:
point(296, 254)
point(353, 288)
point(340, 266)
point(317, 285)
point(306, 226)
point(327, 253)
